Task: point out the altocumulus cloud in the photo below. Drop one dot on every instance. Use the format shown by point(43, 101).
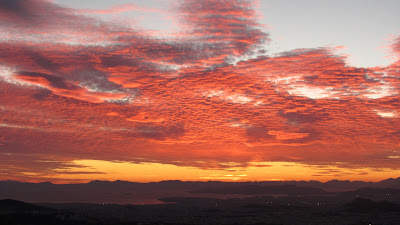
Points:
point(73, 86)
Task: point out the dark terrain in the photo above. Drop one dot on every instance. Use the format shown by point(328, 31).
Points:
point(255, 203)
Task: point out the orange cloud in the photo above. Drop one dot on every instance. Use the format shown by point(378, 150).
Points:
point(210, 98)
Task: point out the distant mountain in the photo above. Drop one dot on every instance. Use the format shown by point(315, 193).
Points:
point(390, 183)
point(264, 190)
point(124, 192)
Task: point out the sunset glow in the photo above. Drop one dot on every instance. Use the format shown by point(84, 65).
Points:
point(85, 97)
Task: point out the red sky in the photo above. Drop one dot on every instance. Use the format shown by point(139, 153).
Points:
point(81, 98)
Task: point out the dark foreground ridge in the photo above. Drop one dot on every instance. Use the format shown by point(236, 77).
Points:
point(193, 211)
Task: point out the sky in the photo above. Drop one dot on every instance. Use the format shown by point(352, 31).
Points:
point(192, 90)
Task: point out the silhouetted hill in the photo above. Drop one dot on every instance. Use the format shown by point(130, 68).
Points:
point(376, 194)
point(14, 212)
point(13, 206)
point(363, 205)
